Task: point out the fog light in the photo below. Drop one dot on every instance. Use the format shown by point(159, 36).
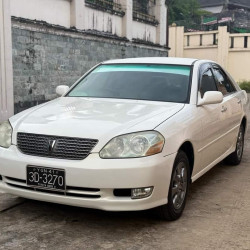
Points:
point(139, 193)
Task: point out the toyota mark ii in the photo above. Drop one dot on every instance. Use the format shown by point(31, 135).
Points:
point(131, 134)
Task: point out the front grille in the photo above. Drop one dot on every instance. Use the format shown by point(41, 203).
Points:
point(55, 146)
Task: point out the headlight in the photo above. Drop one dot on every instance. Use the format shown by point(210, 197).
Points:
point(5, 134)
point(133, 145)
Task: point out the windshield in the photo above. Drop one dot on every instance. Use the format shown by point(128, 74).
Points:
point(166, 83)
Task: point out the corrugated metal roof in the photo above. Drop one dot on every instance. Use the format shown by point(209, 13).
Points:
point(211, 3)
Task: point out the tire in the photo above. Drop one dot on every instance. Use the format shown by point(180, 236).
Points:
point(236, 156)
point(178, 189)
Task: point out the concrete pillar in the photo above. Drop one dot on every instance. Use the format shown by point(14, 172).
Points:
point(172, 37)
point(176, 41)
point(161, 16)
point(6, 71)
point(223, 46)
point(77, 10)
point(127, 22)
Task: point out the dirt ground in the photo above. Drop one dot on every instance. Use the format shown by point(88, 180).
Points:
point(217, 216)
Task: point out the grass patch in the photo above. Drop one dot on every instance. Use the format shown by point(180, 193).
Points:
point(245, 85)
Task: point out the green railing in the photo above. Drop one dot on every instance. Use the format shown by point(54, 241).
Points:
point(106, 5)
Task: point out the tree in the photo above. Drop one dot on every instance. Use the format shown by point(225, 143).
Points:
point(184, 10)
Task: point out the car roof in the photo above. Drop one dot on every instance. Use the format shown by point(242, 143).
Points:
point(154, 60)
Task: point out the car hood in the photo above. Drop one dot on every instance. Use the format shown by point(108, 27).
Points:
point(94, 118)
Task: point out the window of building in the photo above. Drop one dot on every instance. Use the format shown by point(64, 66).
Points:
point(143, 11)
point(112, 6)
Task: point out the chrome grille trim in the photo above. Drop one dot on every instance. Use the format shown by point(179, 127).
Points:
point(69, 148)
point(80, 192)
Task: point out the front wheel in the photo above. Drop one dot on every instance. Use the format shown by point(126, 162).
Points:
point(178, 189)
point(236, 156)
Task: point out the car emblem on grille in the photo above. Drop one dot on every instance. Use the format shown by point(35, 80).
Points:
point(52, 144)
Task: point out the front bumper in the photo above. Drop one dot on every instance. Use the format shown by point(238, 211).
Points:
point(91, 182)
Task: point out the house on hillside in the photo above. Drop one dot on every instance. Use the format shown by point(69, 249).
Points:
point(218, 6)
point(233, 13)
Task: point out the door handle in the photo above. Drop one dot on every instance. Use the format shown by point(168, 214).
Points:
point(223, 109)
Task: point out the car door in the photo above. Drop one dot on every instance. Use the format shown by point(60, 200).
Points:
point(232, 106)
point(213, 120)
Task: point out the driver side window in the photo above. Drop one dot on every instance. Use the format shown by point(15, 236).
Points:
point(207, 82)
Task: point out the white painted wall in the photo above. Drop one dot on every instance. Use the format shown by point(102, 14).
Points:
point(103, 21)
point(161, 15)
point(6, 72)
point(144, 31)
point(127, 19)
point(74, 13)
point(51, 11)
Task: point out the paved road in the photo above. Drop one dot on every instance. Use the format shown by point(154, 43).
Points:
point(217, 216)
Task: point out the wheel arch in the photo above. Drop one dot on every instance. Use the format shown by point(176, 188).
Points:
point(187, 147)
point(244, 123)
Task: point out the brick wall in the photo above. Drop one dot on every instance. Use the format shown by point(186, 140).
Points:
point(45, 56)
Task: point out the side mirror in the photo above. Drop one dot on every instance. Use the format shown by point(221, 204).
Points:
point(210, 97)
point(61, 90)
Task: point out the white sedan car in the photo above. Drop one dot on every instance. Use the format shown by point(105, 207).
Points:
point(131, 134)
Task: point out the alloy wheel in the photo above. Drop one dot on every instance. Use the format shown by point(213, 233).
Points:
point(240, 143)
point(179, 185)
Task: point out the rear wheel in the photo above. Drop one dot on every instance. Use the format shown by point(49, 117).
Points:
point(236, 156)
point(178, 189)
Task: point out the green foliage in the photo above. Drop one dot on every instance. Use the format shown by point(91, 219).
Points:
point(184, 10)
point(245, 85)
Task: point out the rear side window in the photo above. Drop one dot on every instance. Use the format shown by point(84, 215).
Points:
point(223, 83)
point(207, 82)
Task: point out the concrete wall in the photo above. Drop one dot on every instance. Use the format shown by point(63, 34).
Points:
point(232, 51)
point(51, 11)
point(239, 57)
point(144, 32)
point(103, 21)
point(152, 33)
point(6, 76)
point(45, 57)
point(66, 39)
point(77, 13)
